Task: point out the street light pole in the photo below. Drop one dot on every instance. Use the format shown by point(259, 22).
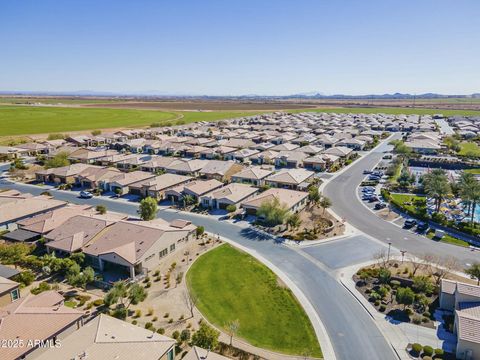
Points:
point(388, 254)
point(403, 254)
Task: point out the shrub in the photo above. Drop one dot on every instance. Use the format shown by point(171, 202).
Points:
point(382, 308)
point(395, 283)
point(377, 302)
point(102, 209)
point(427, 358)
point(148, 325)
point(425, 319)
point(166, 315)
point(156, 273)
point(438, 352)
point(155, 318)
point(43, 286)
point(138, 313)
point(426, 314)
point(150, 312)
point(231, 208)
point(134, 322)
point(417, 320)
point(161, 331)
point(120, 313)
point(427, 350)
point(176, 334)
point(170, 320)
point(98, 302)
point(408, 311)
point(417, 348)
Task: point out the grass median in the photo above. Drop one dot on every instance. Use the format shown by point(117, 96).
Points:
point(230, 284)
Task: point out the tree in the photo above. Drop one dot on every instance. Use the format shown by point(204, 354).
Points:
point(232, 328)
point(188, 200)
point(405, 179)
point(405, 296)
point(437, 186)
point(272, 212)
point(78, 257)
point(101, 209)
point(13, 254)
point(59, 160)
point(96, 132)
point(381, 257)
point(231, 208)
point(206, 337)
point(148, 208)
point(474, 272)
point(313, 194)
point(78, 278)
point(190, 301)
point(422, 284)
point(325, 203)
point(116, 294)
point(136, 294)
point(199, 231)
point(469, 191)
point(294, 221)
point(25, 277)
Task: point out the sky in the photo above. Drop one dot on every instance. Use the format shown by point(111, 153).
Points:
point(241, 47)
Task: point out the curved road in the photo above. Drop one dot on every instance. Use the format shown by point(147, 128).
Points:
point(342, 190)
point(351, 330)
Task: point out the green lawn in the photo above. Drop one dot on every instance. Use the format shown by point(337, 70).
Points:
point(230, 284)
point(449, 239)
point(401, 199)
point(473, 171)
point(469, 148)
point(22, 120)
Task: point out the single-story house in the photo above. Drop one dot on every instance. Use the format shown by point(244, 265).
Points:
point(197, 353)
point(156, 187)
point(135, 247)
point(290, 179)
point(195, 189)
point(120, 183)
point(292, 199)
point(63, 175)
point(340, 151)
point(9, 291)
point(231, 194)
point(290, 159)
point(36, 320)
point(186, 167)
point(220, 170)
point(105, 337)
point(254, 175)
point(93, 177)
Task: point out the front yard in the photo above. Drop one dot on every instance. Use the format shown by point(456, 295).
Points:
point(231, 285)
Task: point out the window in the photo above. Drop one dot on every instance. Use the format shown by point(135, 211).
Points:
point(163, 253)
point(150, 257)
point(172, 247)
point(15, 295)
point(170, 355)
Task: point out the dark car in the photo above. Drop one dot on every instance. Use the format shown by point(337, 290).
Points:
point(422, 226)
point(373, 198)
point(409, 223)
point(367, 172)
point(380, 205)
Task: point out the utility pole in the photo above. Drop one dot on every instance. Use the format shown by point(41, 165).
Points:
point(388, 254)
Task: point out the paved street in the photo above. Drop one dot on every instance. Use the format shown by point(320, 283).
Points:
point(350, 329)
point(342, 192)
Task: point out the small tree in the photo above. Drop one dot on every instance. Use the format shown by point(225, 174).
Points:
point(96, 132)
point(405, 296)
point(231, 208)
point(384, 276)
point(190, 301)
point(136, 294)
point(13, 254)
point(294, 221)
point(199, 231)
point(272, 212)
point(474, 272)
point(232, 329)
point(423, 284)
point(206, 337)
point(148, 208)
point(78, 257)
point(59, 160)
point(314, 194)
point(101, 209)
point(325, 203)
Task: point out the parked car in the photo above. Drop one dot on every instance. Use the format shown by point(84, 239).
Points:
point(367, 196)
point(373, 198)
point(367, 172)
point(86, 195)
point(380, 205)
point(409, 223)
point(368, 189)
point(387, 157)
point(374, 178)
point(422, 226)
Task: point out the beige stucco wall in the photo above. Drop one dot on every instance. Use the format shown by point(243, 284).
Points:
point(463, 346)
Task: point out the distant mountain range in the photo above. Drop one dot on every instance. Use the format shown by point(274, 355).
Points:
point(309, 95)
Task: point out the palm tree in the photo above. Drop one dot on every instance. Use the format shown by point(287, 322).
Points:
point(325, 203)
point(437, 186)
point(469, 192)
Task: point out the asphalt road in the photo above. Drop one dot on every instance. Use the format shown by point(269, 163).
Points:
point(345, 203)
point(351, 330)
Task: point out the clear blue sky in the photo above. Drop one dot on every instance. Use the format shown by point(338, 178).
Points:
point(231, 47)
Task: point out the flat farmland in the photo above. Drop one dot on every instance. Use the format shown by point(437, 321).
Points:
point(25, 120)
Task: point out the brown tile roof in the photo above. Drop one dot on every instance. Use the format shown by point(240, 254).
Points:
point(288, 197)
point(6, 285)
point(32, 318)
point(22, 207)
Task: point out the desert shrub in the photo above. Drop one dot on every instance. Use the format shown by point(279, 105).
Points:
point(98, 302)
point(138, 313)
point(395, 283)
point(417, 348)
point(176, 334)
point(438, 352)
point(134, 322)
point(427, 350)
point(382, 308)
point(417, 320)
point(161, 331)
point(148, 325)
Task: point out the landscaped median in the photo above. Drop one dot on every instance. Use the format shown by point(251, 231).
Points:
point(231, 285)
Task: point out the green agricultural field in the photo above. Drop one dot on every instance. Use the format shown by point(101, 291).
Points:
point(469, 149)
point(230, 284)
point(22, 120)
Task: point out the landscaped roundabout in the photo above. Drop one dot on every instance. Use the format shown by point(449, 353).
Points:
point(231, 285)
